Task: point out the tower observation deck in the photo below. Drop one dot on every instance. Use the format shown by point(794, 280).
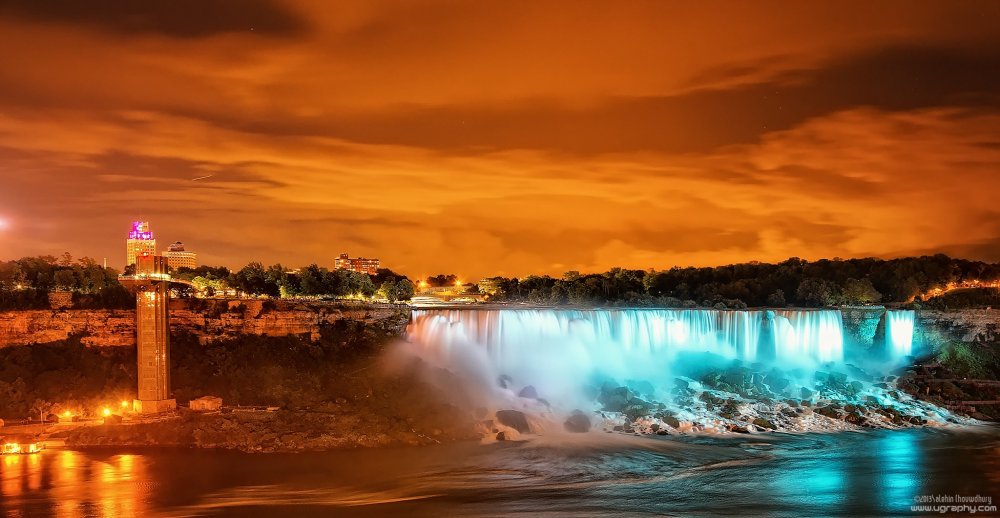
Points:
point(151, 285)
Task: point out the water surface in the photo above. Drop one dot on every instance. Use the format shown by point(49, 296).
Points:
point(844, 474)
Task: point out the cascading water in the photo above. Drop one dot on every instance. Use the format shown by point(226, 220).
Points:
point(899, 333)
point(558, 349)
point(720, 369)
point(799, 337)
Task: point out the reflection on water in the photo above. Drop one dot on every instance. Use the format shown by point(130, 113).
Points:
point(69, 483)
point(847, 474)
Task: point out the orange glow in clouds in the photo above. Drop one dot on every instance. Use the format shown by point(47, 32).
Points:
point(483, 138)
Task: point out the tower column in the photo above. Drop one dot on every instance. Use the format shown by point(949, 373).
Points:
point(153, 335)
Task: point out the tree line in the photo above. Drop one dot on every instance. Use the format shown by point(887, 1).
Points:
point(309, 281)
point(26, 283)
point(794, 282)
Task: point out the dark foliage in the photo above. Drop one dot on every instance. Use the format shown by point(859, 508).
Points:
point(793, 282)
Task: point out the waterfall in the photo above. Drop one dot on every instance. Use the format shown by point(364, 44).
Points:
point(899, 333)
point(627, 342)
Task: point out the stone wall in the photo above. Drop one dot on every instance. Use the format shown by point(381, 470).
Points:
point(966, 325)
point(862, 324)
point(208, 319)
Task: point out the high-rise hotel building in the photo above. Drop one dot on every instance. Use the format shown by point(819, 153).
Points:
point(357, 264)
point(178, 257)
point(140, 241)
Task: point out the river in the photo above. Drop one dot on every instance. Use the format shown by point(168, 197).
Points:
point(839, 474)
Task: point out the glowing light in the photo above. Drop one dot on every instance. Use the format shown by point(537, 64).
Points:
point(124, 404)
point(3, 224)
point(899, 332)
point(67, 414)
point(106, 412)
point(140, 230)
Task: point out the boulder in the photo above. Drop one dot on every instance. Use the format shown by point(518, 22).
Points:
point(528, 392)
point(514, 419)
point(671, 421)
point(577, 423)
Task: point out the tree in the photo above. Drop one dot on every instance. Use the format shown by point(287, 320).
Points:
point(387, 291)
point(404, 289)
point(311, 280)
point(251, 279)
point(860, 291)
point(442, 280)
point(817, 292)
point(776, 299)
point(65, 280)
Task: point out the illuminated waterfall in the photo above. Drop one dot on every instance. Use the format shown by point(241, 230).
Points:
point(899, 333)
point(545, 344)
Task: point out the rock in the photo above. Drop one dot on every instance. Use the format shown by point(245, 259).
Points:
point(661, 432)
point(577, 423)
point(730, 410)
point(671, 421)
point(528, 392)
point(501, 436)
point(760, 422)
point(776, 382)
point(738, 429)
point(641, 387)
point(504, 381)
point(514, 419)
point(828, 411)
point(806, 393)
point(855, 418)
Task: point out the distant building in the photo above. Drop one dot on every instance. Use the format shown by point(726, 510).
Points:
point(357, 264)
point(178, 257)
point(140, 241)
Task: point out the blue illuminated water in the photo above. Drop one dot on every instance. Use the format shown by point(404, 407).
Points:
point(899, 333)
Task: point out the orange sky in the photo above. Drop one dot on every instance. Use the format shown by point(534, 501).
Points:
point(504, 137)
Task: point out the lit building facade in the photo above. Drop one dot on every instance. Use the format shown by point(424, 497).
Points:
point(140, 241)
point(357, 264)
point(178, 257)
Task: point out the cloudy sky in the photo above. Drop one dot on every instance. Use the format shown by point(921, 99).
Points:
point(503, 137)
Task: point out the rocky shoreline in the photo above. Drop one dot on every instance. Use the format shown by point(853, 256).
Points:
point(283, 431)
point(735, 400)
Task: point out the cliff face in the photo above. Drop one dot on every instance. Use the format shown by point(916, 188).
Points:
point(966, 325)
point(209, 320)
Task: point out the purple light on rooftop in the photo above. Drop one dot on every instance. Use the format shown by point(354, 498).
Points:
point(140, 230)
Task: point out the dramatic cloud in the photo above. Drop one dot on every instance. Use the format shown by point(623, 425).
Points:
point(510, 138)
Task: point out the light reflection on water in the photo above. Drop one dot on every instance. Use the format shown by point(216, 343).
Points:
point(872, 473)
